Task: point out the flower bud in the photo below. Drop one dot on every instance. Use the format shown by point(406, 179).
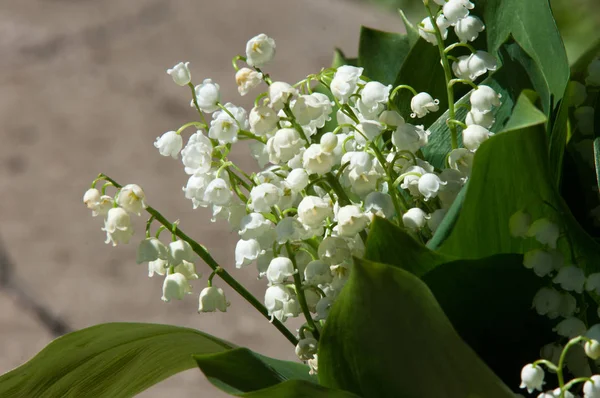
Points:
point(328, 142)
point(180, 73)
point(212, 299)
point(260, 50)
point(247, 79)
point(132, 198)
point(592, 349)
point(591, 388)
point(175, 286)
point(169, 144)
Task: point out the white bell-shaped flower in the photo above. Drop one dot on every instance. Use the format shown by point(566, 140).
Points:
point(180, 73)
point(212, 299)
point(474, 136)
point(479, 63)
point(254, 225)
point(485, 120)
point(259, 152)
point(570, 278)
point(169, 144)
point(306, 348)
point(543, 262)
point(281, 302)
point(334, 250)
point(547, 301)
point(592, 283)
point(288, 229)
point(323, 307)
point(460, 68)
point(97, 203)
point(280, 268)
point(264, 196)
point(246, 252)
point(180, 251)
point(468, 28)
point(223, 127)
point(151, 249)
point(410, 179)
point(247, 79)
point(455, 10)
point(158, 267)
point(314, 108)
point(132, 198)
point(188, 270)
point(415, 219)
point(260, 50)
point(280, 94)
point(317, 161)
point(380, 204)
point(345, 82)
point(570, 327)
point(423, 103)
point(532, 378)
point(591, 388)
point(175, 286)
point(197, 154)
point(208, 95)
point(568, 305)
point(545, 232)
point(195, 188)
point(436, 218)
point(427, 31)
point(117, 226)
point(351, 220)
point(317, 272)
point(484, 99)
point(263, 120)
point(328, 142)
point(461, 159)
point(391, 118)
point(408, 137)
point(218, 193)
point(429, 185)
point(374, 93)
point(313, 211)
point(297, 180)
point(284, 145)
point(593, 76)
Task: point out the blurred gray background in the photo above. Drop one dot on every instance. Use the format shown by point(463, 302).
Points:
point(83, 90)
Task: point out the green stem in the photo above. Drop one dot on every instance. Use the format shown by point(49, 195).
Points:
point(447, 75)
point(393, 192)
point(185, 126)
point(343, 199)
point(455, 45)
point(561, 362)
point(195, 100)
point(223, 274)
point(463, 81)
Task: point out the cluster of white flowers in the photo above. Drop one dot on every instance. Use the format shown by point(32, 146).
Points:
point(558, 301)
point(304, 216)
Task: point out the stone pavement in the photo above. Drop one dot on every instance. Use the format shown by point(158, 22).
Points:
point(83, 89)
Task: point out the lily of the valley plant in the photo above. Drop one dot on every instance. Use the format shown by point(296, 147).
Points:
point(425, 209)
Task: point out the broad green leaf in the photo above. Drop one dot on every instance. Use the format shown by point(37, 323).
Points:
point(382, 54)
point(240, 370)
point(411, 31)
point(532, 25)
point(385, 337)
point(389, 244)
point(339, 59)
point(510, 173)
point(447, 224)
point(597, 159)
point(488, 302)
point(299, 389)
point(524, 115)
point(109, 360)
point(509, 82)
point(579, 67)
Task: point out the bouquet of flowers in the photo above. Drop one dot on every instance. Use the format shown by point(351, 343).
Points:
point(427, 211)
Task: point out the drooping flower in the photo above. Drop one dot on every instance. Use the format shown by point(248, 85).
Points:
point(169, 144)
point(260, 50)
point(423, 103)
point(532, 377)
point(180, 73)
point(247, 79)
point(212, 299)
point(117, 226)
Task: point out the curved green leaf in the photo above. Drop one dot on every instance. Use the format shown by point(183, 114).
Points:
point(382, 54)
point(389, 244)
point(385, 335)
point(299, 389)
point(242, 370)
point(109, 360)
